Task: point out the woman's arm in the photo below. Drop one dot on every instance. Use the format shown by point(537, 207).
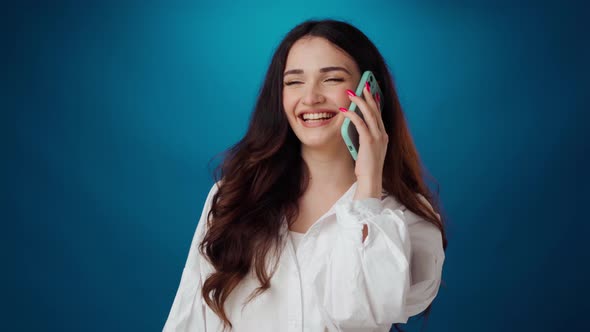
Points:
point(370, 283)
point(426, 263)
point(188, 308)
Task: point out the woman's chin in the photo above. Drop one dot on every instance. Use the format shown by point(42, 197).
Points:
point(323, 143)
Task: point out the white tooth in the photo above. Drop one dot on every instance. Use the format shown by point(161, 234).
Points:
point(314, 116)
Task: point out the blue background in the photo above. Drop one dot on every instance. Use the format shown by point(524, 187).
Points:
point(113, 111)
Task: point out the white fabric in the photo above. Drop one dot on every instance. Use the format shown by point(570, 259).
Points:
point(333, 280)
point(296, 237)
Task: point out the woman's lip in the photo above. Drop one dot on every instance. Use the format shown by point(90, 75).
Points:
point(315, 123)
point(320, 110)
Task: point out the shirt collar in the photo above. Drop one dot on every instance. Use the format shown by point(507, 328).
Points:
point(345, 198)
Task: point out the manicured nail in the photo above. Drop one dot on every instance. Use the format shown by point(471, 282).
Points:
point(343, 110)
point(368, 86)
point(350, 93)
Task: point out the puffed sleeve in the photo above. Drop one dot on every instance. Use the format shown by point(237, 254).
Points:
point(363, 285)
point(369, 284)
point(426, 263)
point(188, 309)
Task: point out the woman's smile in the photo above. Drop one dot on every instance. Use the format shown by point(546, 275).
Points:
point(316, 119)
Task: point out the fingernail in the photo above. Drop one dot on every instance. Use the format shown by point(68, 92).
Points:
point(378, 97)
point(350, 93)
point(343, 110)
point(368, 86)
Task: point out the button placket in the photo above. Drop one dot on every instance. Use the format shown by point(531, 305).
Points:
point(295, 313)
point(304, 252)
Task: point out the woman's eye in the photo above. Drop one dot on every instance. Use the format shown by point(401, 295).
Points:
point(327, 80)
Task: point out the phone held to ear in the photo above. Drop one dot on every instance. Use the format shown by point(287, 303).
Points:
point(348, 129)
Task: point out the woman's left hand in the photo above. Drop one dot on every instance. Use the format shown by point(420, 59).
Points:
point(372, 145)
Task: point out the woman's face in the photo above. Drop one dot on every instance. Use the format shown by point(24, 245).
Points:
point(315, 80)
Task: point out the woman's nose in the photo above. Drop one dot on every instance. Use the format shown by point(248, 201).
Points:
point(312, 95)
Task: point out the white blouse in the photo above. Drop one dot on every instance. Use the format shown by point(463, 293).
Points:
point(296, 237)
point(328, 278)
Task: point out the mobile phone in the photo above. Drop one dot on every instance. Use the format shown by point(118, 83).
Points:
point(348, 129)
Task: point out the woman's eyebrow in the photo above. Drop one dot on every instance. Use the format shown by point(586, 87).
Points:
point(334, 68)
point(322, 70)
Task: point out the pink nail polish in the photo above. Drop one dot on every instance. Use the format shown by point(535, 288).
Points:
point(342, 109)
point(350, 93)
point(368, 86)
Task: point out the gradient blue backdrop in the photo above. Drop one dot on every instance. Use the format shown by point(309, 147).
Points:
point(116, 108)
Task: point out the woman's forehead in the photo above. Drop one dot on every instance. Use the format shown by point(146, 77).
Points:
point(314, 53)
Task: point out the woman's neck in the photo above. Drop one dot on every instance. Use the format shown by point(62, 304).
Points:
point(331, 171)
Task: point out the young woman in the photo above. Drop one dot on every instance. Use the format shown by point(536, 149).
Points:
point(298, 236)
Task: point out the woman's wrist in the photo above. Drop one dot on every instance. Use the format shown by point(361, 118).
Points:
point(368, 189)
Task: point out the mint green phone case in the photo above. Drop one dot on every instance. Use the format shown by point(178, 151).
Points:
point(348, 130)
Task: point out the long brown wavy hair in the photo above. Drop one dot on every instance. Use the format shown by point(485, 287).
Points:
point(262, 177)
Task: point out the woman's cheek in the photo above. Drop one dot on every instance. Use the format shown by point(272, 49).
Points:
point(341, 99)
point(289, 105)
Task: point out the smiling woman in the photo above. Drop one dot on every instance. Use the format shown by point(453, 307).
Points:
point(295, 234)
point(318, 74)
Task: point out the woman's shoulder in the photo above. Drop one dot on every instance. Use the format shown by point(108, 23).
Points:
point(202, 224)
point(392, 202)
point(214, 189)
